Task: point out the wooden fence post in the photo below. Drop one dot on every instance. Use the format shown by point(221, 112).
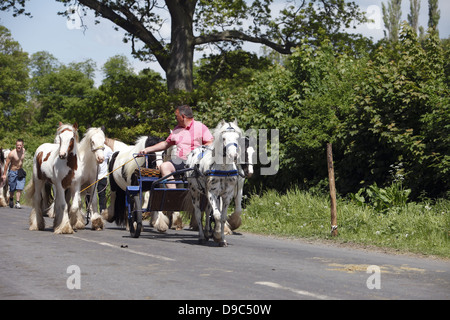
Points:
point(334, 231)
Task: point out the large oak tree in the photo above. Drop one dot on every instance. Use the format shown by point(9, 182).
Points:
point(195, 23)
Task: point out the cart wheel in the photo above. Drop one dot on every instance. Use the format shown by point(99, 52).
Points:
point(135, 223)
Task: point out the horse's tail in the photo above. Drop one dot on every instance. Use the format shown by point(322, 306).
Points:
point(119, 201)
point(119, 208)
point(189, 211)
point(29, 191)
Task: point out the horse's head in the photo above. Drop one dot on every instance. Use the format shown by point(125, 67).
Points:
point(66, 137)
point(247, 163)
point(156, 159)
point(227, 136)
point(97, 143)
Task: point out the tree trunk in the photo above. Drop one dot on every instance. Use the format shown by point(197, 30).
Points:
point(179, 71)
point(180, 67)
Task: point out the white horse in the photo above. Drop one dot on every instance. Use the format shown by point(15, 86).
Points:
point(115, 145)
point(245, 167)
point(66, 165)
point(246, 171)
point(216, 176)
point(91, 154)
point(123, 165)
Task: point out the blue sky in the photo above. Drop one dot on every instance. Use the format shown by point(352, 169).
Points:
point(47, 31)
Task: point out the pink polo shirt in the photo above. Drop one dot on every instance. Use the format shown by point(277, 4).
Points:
point(189, 138)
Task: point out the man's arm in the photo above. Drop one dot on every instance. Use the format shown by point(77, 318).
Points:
point(160, 146)
point(209, 142)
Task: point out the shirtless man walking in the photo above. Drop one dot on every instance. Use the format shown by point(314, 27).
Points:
point(14, 162)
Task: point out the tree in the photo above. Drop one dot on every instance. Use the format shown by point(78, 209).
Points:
point(129, 104)
point(13, 82)
point(391, 18)
point(63, 94)
point(195, 23)
point(433, 15)
point(413, 16)
point(400, 115)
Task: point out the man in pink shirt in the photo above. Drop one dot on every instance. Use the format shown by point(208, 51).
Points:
point(186, 136)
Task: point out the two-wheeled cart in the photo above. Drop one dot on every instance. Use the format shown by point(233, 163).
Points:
point(162, 198)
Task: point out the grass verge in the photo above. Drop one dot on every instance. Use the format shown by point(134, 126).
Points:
point(415, 227)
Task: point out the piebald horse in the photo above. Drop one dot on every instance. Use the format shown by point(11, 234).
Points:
point(65, 165)
point(123, 165)
point(216, 176)
point(3, 183)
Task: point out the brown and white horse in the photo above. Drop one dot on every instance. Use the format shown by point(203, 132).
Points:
point(3, 183)
point(66, 165)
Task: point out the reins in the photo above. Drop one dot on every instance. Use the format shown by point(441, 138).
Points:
point(106, 175)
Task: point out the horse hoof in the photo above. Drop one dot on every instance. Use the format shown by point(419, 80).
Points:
point(97, 224)
point(223, 244)
point(202, 241)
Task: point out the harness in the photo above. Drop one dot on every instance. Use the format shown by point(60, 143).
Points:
point(99, 148)
point(221, 173)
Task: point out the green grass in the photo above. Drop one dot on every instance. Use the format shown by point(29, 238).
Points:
point(414, 227)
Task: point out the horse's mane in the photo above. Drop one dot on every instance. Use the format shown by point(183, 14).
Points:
point(73, 128)
point(85, 145)
point(141, 143)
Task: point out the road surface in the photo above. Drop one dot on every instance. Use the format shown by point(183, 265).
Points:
point(109, 264)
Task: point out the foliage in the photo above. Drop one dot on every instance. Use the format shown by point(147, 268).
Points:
point(196, 23)
point(13, 82)
point(133, 105)
point(378, 109)
point(63, 95)
point(382, 199)
point(399, 114)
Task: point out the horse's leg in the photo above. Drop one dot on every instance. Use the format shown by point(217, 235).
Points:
point(2, 196)
point(208, 216)
point(47, 201)
point(162, 222)
point(214, 201)
point(36, 218)
point(108, 214)
point(154, 217)
point(195, 197)
point(77, 219)
point(177, 221)
point(223, 219)
point(61, 223)
point(234, 221)
point(96, 218)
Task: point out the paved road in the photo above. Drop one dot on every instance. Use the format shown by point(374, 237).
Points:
point(110, 265)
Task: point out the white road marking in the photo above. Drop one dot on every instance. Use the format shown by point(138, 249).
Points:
point(300, 292)
point(106, 244)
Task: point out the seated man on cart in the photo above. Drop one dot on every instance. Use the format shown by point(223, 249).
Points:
point(186, 136)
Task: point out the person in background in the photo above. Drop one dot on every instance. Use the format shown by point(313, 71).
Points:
point(103, 182)
point(16, 174)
